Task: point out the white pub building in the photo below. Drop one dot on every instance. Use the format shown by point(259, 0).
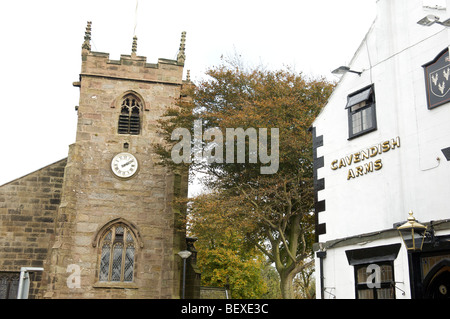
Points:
point(382, 161)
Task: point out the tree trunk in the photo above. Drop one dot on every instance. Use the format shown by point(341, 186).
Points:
point(286, 284)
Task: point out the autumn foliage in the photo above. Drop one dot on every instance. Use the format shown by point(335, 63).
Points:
point(243, 208)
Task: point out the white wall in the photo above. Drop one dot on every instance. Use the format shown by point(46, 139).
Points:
point(391, 56)
point(339, 281)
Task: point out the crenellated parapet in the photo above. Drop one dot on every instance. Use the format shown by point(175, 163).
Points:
point(132, 67)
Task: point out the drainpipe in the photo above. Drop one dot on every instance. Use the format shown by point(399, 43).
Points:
point(24, 281)
point(321, 255)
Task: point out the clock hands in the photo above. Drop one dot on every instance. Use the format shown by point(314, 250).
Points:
point(127, 163)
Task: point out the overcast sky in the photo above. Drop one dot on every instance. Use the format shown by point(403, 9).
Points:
point(40, 53)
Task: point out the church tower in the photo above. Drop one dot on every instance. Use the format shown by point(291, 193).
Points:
point(117, 233)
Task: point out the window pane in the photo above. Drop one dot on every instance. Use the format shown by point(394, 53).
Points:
point(119, 234)
point(129, 237)
point(367, 118)
point(104, 262)
point(356, 122)
point(117, 262)
point(108, 236)
point(358, 106)
point(129, 262)
point(360, 97)
point(13, 287)
point(362, 275)
point(3, 287)
point(386, 273)
point(363, 120)
point(365, 294)
point(386, 293)
point(119, 230)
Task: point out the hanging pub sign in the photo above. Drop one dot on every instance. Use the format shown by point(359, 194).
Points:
point(437, 77)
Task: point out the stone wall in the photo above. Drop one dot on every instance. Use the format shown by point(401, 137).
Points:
point(214, 293)
point(94, 197)
point(28, 207)
point(56, 217)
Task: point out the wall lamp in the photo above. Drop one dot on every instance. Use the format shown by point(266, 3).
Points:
point(429, 20)
point(414, 234)
point(345, 69)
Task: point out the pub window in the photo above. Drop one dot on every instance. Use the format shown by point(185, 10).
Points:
point(117, 255)
point(9, 283)
point(361, 112)
point(130, 115)
point(366, 285)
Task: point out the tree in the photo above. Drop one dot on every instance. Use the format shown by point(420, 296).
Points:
point(223, 257)
point(304, 284)
point(272, 280)
point(268, 197)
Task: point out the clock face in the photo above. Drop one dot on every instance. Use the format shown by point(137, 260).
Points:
point(124, 165)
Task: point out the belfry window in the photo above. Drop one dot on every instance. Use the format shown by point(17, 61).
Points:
point(361, 112)
point(117, 255)
point(130, 115)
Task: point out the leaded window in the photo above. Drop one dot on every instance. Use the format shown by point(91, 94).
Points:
point(9, 283)
point(361, 112)
point(130, 115)
point(117, 255)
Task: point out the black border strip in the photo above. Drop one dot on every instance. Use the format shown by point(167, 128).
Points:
point(319, 184)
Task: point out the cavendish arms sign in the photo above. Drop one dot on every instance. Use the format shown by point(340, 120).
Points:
point(366, 160)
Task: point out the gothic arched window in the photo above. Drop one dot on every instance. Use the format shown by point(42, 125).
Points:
point(117, 254)
point(130, 115)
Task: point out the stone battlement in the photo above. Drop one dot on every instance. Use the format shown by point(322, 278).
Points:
point(132, 67)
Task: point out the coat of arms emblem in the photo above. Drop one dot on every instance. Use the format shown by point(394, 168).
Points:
point(437, 75)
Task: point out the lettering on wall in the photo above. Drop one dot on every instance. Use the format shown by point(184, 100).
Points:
point(365, 161)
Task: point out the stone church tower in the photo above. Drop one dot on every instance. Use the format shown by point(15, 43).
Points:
point(117, 233)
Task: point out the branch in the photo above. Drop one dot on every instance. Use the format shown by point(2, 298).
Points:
point(257, 206)
point(294, 260)
point(271, 257)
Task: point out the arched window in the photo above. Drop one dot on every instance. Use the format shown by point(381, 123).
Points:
point(117, 254)
point(130, 115)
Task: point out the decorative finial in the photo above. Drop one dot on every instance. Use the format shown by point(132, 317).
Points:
point(134, 46)
point(87, 37)
point(188, 75)
point(182, 53)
